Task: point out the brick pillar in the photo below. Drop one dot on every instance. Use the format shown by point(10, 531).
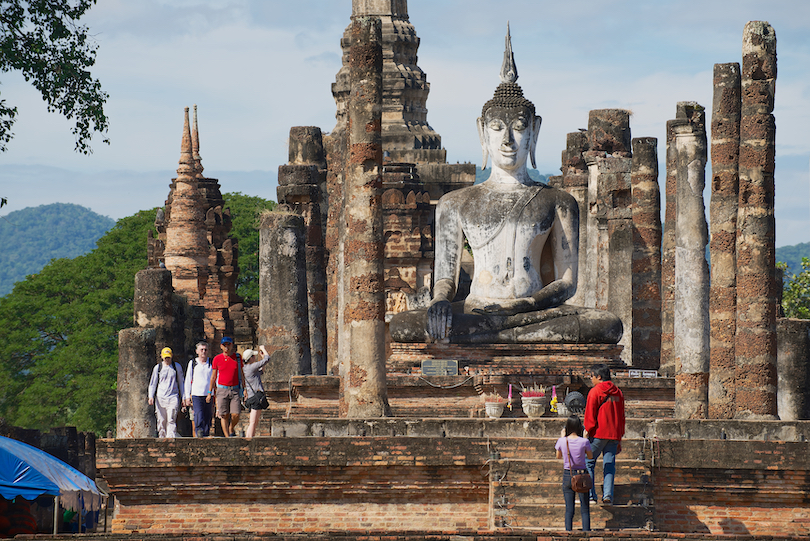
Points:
point(723, 218)
point(793, 353)
point(336, 150)
point(574, 180)
point(691, 339)
point(137, 352)
point(364, 386)
point(300, 186)
point(646, 254)
point(283, 315)
point(610, 145)
point(755, 344)
point(667, 367)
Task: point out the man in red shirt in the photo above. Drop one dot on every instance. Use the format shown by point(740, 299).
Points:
point(226, 379)
point(604, 422)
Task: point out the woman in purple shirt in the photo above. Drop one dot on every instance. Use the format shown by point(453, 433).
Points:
point(580, 449)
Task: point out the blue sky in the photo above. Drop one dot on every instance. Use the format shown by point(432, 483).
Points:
point(256, 68)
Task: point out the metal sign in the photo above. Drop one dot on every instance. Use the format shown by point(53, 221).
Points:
point(439, 367)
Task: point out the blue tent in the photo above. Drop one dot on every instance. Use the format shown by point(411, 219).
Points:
point(29, 472)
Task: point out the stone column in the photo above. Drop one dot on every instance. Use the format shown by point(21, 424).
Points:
point(364, 386)
point(138, 352)
point(283, 315)
point(723, 218)
point(335, 145)
point(793, 367)
point(300, 186)
point(609, 143)
point(691, 339)
point(755, 343)
point(667, 367)
point(574, 180)
point(646, 254)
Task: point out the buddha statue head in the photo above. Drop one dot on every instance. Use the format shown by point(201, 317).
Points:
point(508, 125)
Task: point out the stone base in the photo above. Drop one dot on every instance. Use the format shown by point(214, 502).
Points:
point(532, 359)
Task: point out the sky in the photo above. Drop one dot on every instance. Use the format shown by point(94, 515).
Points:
point(255, 68)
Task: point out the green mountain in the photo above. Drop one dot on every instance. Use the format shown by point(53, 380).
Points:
point(31, 237)
point(792, 255)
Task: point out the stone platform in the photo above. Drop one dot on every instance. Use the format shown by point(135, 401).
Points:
point(458, 477)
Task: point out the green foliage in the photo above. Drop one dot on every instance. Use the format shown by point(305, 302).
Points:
point(31, 237)
point(59, 333)
point(245, 211)
point(43, 40)
point(796, 292)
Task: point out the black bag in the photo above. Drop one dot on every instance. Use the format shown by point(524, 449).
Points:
point(580, 479)
point(257, 401)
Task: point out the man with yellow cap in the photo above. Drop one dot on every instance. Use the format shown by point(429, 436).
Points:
point(164, 393)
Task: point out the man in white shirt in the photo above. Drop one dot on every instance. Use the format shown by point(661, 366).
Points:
point(165, 388)
point(199, 376)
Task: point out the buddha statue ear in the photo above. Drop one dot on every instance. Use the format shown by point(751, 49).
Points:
point(533, 142)
point(482, 135)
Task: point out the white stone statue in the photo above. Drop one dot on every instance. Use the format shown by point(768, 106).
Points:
point(524, 237)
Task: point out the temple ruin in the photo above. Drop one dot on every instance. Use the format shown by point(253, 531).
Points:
point(373, 438)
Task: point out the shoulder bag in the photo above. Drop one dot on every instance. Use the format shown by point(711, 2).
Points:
point(580, 479)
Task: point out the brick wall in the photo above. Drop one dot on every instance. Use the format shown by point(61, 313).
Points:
point(732, 487)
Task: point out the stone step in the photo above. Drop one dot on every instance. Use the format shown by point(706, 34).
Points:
point(551, 471)
point(537, 493)
point(552, 516)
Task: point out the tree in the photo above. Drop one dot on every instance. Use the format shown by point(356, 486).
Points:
point(796, 292)
point(59, 333)
point(245, 210)
point(43, 40)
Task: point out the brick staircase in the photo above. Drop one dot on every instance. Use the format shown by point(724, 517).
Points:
point(526, 492)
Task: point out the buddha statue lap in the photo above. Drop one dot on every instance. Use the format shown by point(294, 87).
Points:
point(524, 238)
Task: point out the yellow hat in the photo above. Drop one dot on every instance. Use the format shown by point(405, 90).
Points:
point(165, 352)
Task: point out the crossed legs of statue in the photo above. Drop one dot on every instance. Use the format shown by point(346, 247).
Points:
point(563, 324)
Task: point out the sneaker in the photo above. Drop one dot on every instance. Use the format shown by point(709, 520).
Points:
point(606, 501)
point(594, 500)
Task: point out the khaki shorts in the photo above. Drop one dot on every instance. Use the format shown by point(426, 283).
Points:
point(228, 402)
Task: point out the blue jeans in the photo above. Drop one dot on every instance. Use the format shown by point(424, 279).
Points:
point(606, 448)
point(584, 505)
point(202, 416)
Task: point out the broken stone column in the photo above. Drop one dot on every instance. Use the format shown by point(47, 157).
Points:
point(667, 367)
point(723, 218)
point(793, 367)
point(300, 183)
point(137, 352)
point(609, 164)
point(283, 314)
point(574, 180)
point(335, 145)
point(691, 340)
point(755, 344)
point(363, 362)
point(646, 207)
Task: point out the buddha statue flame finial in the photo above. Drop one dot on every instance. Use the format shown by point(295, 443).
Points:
point(509, 72)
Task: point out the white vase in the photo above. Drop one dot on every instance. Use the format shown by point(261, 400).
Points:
point(533, 406)
point(494, 409)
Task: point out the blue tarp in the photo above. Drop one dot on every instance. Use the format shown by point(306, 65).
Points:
point(30, 472)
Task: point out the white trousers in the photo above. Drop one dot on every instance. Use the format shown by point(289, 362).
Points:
point(166, 412)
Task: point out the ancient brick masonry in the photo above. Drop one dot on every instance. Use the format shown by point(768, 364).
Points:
point(407, 217)
point(194, 245)
point(723, 211)
point(755, 343)
point(283, 315)
point(363, 361)
point(691, 323)
point(610, 236)
point(646, 331)
point(574, 180)
point(302, 183)
point(667, 367)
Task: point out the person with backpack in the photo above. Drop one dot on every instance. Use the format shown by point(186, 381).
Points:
point(165, 389)
point(198, 378)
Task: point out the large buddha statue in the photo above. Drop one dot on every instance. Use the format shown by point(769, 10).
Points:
point(524, 237)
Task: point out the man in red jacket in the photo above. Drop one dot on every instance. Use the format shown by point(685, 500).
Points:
point(604, 422)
